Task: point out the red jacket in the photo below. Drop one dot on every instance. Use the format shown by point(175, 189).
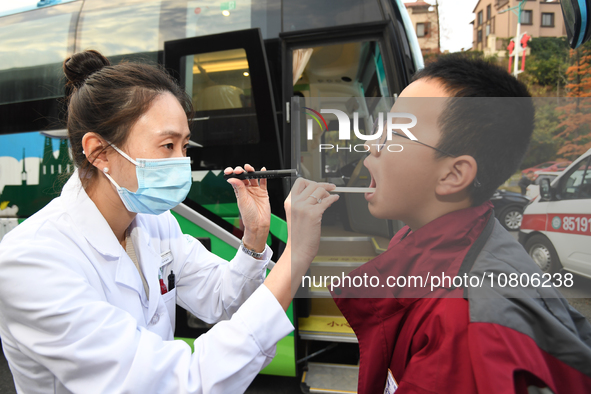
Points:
point(464, 340)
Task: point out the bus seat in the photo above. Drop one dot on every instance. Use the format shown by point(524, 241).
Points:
point(219, 97)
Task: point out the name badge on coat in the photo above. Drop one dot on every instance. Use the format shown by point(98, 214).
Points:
point(166, 257)
point(391, 385)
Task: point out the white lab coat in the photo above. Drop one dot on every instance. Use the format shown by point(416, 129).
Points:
point(74, 316)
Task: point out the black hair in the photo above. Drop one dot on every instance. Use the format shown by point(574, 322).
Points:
point(108, 99)
point(492, 120)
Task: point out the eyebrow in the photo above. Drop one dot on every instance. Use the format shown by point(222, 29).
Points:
point(173, 133)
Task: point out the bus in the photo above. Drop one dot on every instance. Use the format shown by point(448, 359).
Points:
point(241, 62)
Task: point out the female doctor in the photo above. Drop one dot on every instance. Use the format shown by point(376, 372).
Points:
point(85, 303)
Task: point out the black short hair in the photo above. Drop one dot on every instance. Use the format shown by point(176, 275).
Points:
point(495, 130)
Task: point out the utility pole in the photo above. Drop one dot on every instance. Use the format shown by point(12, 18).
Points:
point(517, 10)
point(438, 26)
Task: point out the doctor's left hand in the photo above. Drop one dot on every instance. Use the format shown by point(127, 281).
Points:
point(254, 206)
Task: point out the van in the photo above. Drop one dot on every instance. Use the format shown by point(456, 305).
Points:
point(556, 226)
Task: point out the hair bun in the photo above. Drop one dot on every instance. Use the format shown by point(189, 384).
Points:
point(81, 65)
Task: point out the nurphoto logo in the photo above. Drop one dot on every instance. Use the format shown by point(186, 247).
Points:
point(345, 129)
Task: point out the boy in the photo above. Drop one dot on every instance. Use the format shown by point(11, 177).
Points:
point(459, 338)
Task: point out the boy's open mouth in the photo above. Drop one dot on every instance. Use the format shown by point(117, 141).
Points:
point(368, 196)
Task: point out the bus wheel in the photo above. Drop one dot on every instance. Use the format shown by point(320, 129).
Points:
point(541, 251)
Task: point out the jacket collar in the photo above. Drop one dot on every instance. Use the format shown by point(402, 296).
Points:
point(438, 248)
point(91, 223)
point(88, 219)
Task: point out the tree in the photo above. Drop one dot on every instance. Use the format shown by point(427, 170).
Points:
point(544, 146)
point(575, 127)
point(549, 61)
point(578, 73)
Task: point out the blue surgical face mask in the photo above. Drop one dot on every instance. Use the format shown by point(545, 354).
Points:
point(162, 184)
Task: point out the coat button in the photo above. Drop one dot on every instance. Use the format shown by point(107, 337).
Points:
point(155, 319)
point(337, 290)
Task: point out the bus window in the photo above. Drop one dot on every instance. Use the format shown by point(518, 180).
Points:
point(205, 18)
point(221, 80)
point(219, 83)
point(354, 69)
point(34, 45)
point(132, 27)
point(312, 14)
point(122, 28)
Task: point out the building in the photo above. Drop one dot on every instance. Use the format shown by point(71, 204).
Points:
point(492, 29)
point(425, 19)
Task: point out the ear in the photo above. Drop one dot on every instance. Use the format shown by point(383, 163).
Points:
point(457, 175)
point(94, 150)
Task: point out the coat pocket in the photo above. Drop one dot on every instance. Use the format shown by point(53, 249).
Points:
point(170, 301)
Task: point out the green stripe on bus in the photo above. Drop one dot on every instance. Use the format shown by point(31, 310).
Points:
point(284, 363)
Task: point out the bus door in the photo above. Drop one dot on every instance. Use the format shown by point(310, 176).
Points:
point(349, 67)
point(234, 123)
